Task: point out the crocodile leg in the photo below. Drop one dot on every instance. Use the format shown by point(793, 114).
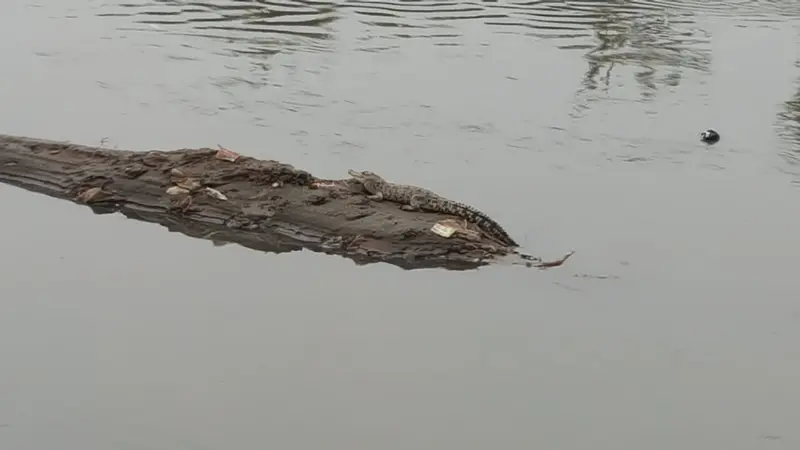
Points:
point(414, 203)
point(372, 188)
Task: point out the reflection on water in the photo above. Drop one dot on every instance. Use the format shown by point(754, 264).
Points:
point(643, 34)
point(789, 126)
point(659, 38)
point(652, 43)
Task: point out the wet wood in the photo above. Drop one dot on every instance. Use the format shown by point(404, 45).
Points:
point(224, 197)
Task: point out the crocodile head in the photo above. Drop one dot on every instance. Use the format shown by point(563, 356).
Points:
point(371, 182)
point(364, 175)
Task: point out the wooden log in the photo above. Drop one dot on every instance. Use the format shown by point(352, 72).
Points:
point(263, 205)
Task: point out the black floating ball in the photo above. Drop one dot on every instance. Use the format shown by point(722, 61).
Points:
point(709, 136)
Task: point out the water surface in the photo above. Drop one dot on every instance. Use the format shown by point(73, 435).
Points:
point(574, 124)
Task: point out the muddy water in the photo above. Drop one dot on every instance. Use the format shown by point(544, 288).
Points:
point(675, 325)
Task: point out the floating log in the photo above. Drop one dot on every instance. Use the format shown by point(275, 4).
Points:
point(222, 196)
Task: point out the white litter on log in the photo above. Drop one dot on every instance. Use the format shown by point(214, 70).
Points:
point(226, 155)
point(443, 230)
point(175, 190)
point(216, 194)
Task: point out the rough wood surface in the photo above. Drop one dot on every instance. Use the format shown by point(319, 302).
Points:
point(268, 205)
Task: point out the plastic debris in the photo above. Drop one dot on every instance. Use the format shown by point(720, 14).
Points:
point(226, 155)
point(216, 194)
point(277, 184)
point(452, 226)
point(175, 190)
point(443, 230)
point(190, 184)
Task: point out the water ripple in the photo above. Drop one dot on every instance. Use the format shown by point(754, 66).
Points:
point(659, 39)
point(643, 33)
point(551, 18)
point(611, 31)
point(271, 25)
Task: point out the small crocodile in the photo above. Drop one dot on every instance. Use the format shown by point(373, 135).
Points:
point(415, 198)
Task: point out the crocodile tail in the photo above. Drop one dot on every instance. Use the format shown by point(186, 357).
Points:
point(484, 221)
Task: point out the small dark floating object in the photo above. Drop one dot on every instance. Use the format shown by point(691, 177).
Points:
point(709, 136)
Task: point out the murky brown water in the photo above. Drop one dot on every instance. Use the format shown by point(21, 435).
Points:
point(574, 123)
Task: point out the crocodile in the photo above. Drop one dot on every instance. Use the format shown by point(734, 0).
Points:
point(414, 198)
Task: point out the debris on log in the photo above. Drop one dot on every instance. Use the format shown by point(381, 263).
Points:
point(220, 195)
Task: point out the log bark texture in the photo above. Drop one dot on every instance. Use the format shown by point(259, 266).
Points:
point(268, 205)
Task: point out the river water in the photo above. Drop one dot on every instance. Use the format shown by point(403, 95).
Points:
point(574, 123)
